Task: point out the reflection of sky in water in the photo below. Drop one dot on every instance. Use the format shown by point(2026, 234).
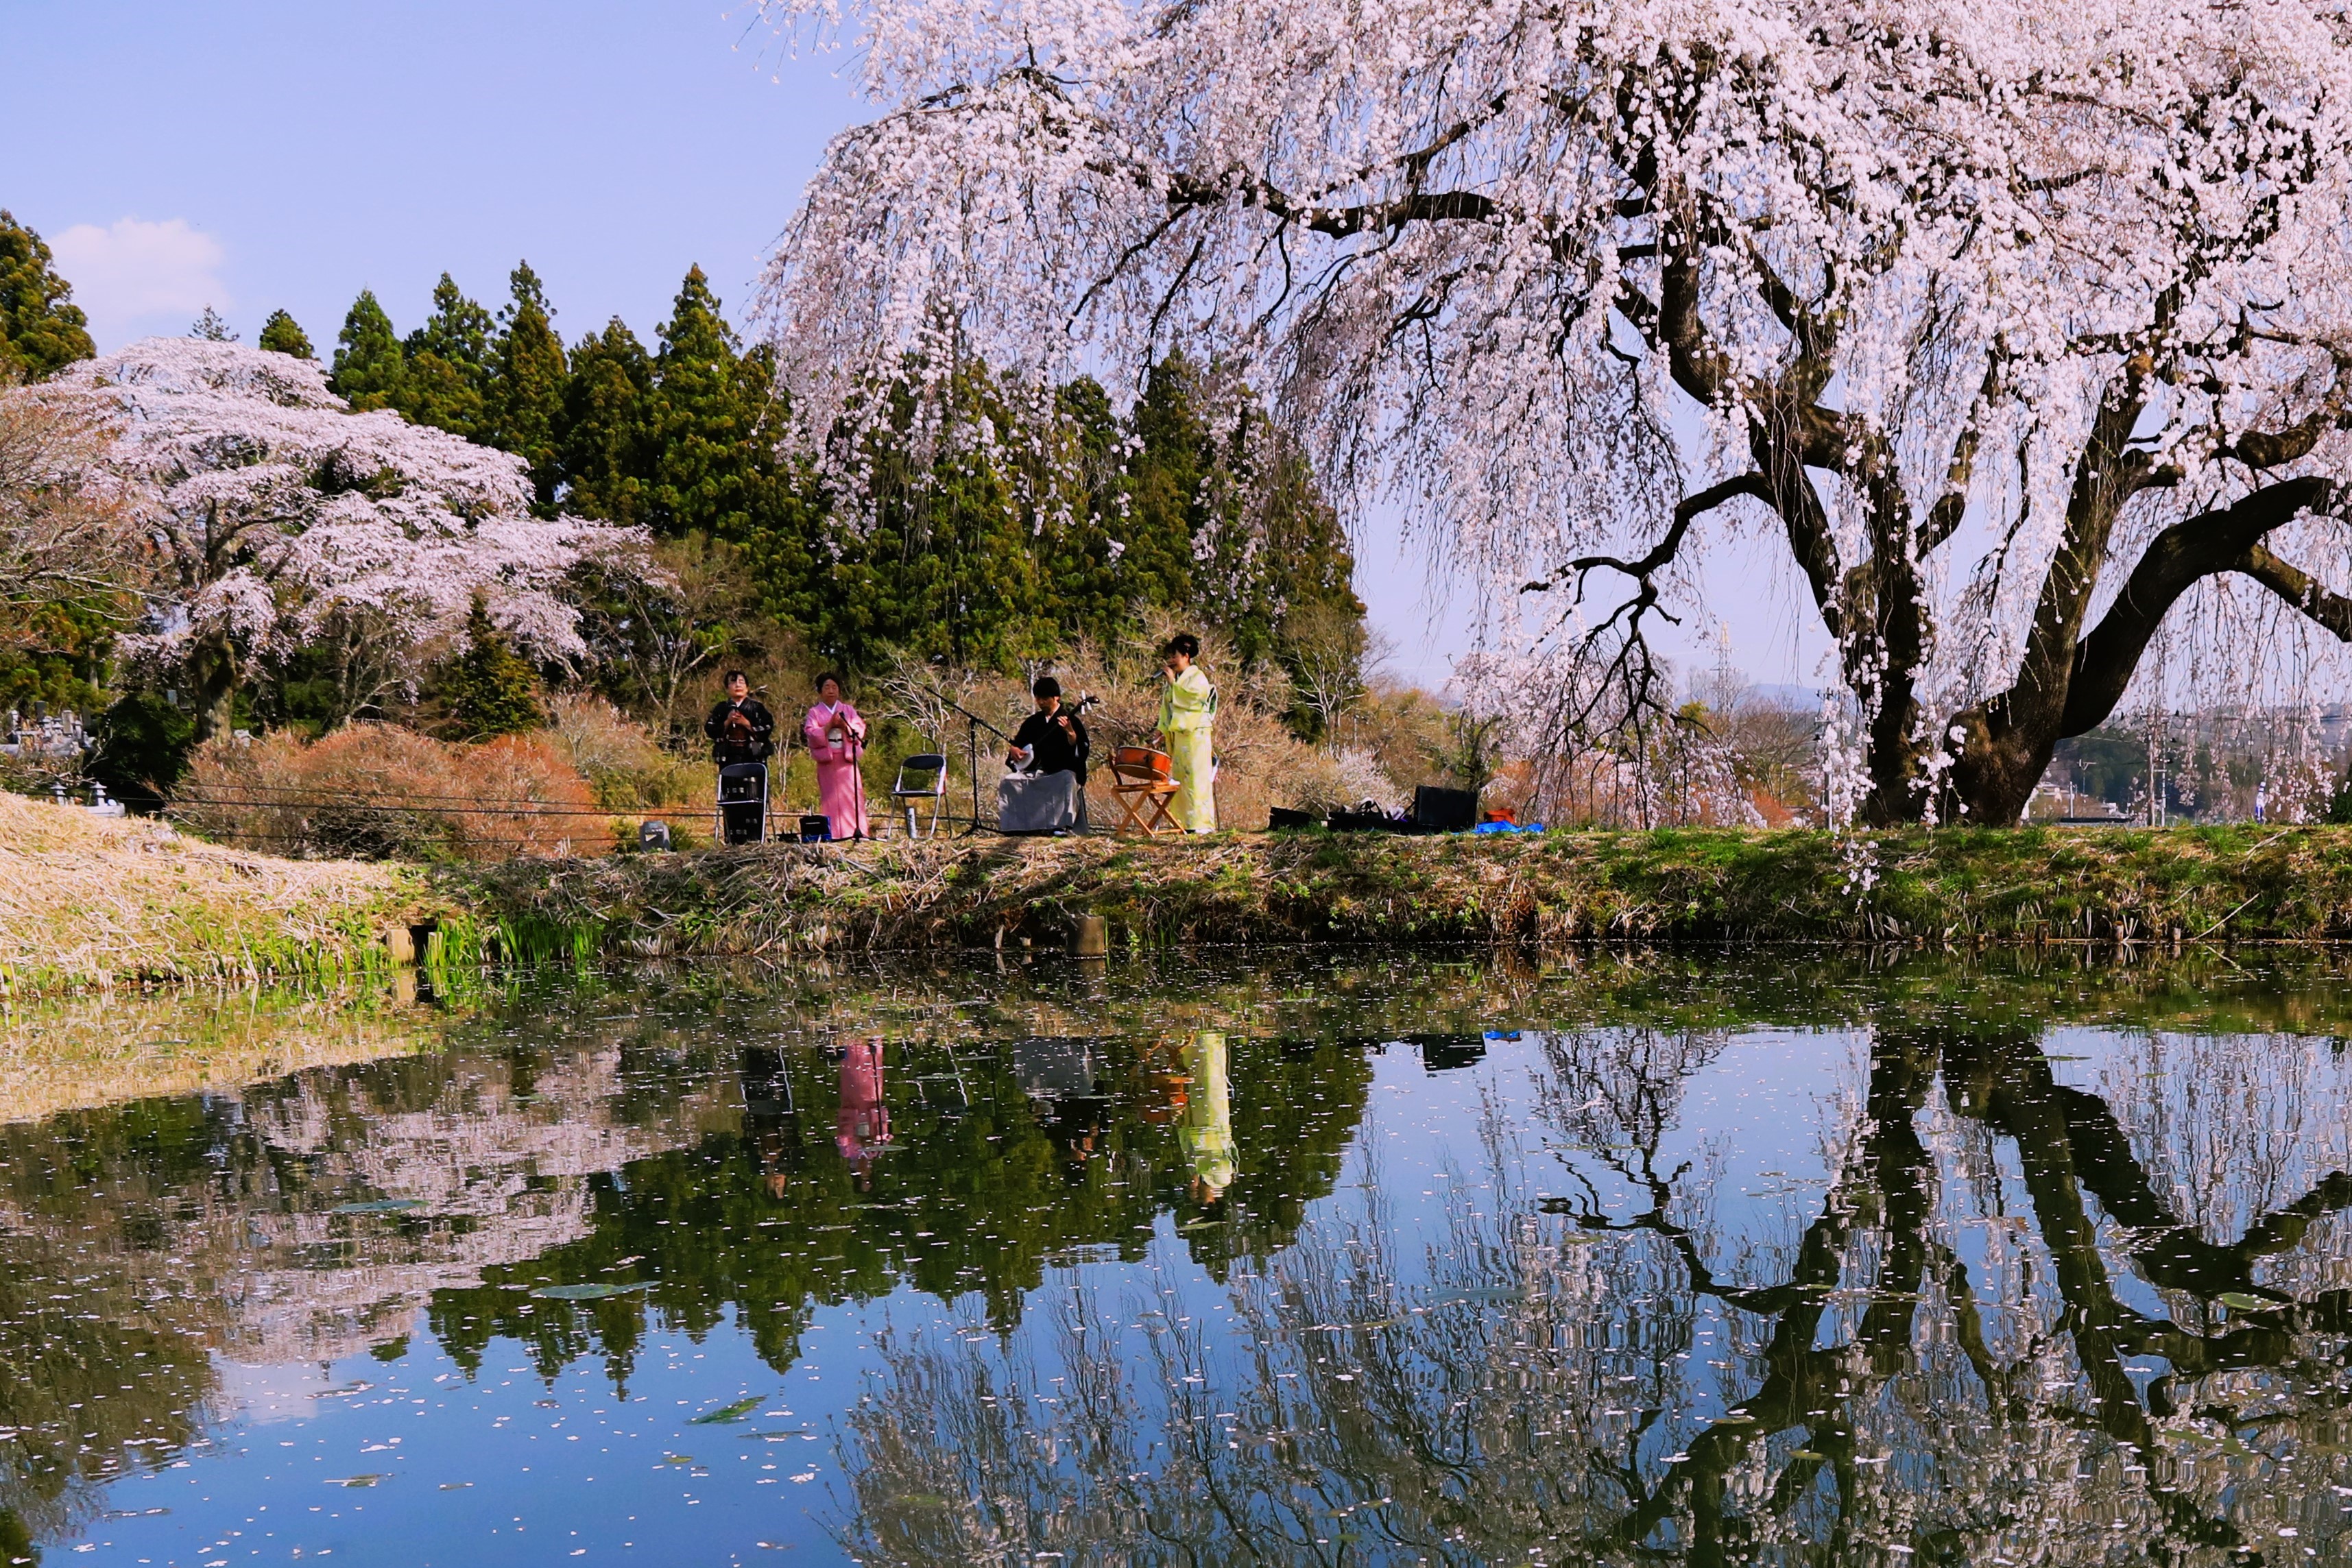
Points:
point(412, 1463)
point(1499, 1224)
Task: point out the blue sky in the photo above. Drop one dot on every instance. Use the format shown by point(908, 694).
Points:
point(264, 155)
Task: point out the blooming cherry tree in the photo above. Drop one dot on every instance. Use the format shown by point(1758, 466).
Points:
point(2019, 323)
point(274, 513)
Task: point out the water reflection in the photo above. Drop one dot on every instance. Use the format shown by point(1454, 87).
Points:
point(1996, 1338)
point(1208, 1126)
point(862, 1124)
point(1362, 1262)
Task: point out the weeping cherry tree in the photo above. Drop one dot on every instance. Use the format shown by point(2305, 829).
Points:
point(2019, 325)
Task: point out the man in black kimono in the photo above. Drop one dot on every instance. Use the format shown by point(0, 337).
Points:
point(1050, 741)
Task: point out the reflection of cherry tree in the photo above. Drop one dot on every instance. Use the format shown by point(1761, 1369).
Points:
point(1945, 1363)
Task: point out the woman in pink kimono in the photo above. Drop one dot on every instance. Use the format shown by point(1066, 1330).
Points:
point(836, 739)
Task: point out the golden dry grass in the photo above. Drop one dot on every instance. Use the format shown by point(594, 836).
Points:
point(93, 900)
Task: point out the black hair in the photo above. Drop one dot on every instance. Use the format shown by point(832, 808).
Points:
point(731, 676)
point(1046, 687)
point(1183, 643)
point(835, 676)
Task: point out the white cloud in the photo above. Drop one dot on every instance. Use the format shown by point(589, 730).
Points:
point(136, 278)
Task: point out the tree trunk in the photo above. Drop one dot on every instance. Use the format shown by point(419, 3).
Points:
point(212, 672)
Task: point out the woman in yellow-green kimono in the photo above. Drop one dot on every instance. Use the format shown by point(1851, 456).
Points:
point(1188, 704)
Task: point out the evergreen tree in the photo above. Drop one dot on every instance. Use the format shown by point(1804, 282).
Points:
point(605, 455)
point(41, 330)
point(281, 334)
point(210, 328)
point(1172, 450)
point(491, 690)
point(953, 558)
point(1086, 560)
point(448, 363)
point(1224, 513)
point(524, 407)
point(705, 422)
point(371, 369)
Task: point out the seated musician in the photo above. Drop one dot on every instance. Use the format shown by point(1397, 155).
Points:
point(1050, 741)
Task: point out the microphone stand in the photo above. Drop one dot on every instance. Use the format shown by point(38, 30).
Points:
point(973, 725)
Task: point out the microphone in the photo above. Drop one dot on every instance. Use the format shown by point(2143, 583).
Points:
point(1085, 703)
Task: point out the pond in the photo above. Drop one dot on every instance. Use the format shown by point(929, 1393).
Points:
point(1304, 1259)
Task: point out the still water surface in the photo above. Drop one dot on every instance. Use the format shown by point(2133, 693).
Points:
point(1292, 1260)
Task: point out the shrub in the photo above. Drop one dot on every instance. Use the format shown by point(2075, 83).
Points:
point(375, 791)
point(624, 764)
point(142, 750)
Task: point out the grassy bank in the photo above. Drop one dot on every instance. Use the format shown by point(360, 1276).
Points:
point(87, 900)
point(1959, 888)
point(84, 901)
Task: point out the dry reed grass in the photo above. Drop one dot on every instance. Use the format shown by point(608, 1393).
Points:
point(1948, 887)
point(91, 899)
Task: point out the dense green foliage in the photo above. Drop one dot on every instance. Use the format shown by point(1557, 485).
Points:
point(41, 330)
point(1066, 522)
point(369, 369)
point(489, 689)
point(281, 334)
point(142, 748)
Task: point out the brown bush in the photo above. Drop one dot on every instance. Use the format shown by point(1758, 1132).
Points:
point(375, 791)
point(621, 761)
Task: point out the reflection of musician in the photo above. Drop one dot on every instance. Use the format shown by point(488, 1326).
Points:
point(741, 728)
point(1206, 1133)
point(862, 1127)
point(771, 1125)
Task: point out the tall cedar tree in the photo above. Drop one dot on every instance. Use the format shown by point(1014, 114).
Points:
point(212, 328)
point(489, 689)
point(524, 407)
point(603, 451)
point(448, 363)
point(950, 564)
point(706, 423)
point(371, 369)
point(41, 330)
point(281, 334)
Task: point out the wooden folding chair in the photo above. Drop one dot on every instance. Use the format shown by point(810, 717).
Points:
point(1143, 783)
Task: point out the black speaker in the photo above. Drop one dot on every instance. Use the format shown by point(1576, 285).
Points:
point(1436, 810)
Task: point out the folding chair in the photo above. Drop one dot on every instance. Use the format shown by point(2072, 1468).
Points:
point(1141, 782)
point(929, 782)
